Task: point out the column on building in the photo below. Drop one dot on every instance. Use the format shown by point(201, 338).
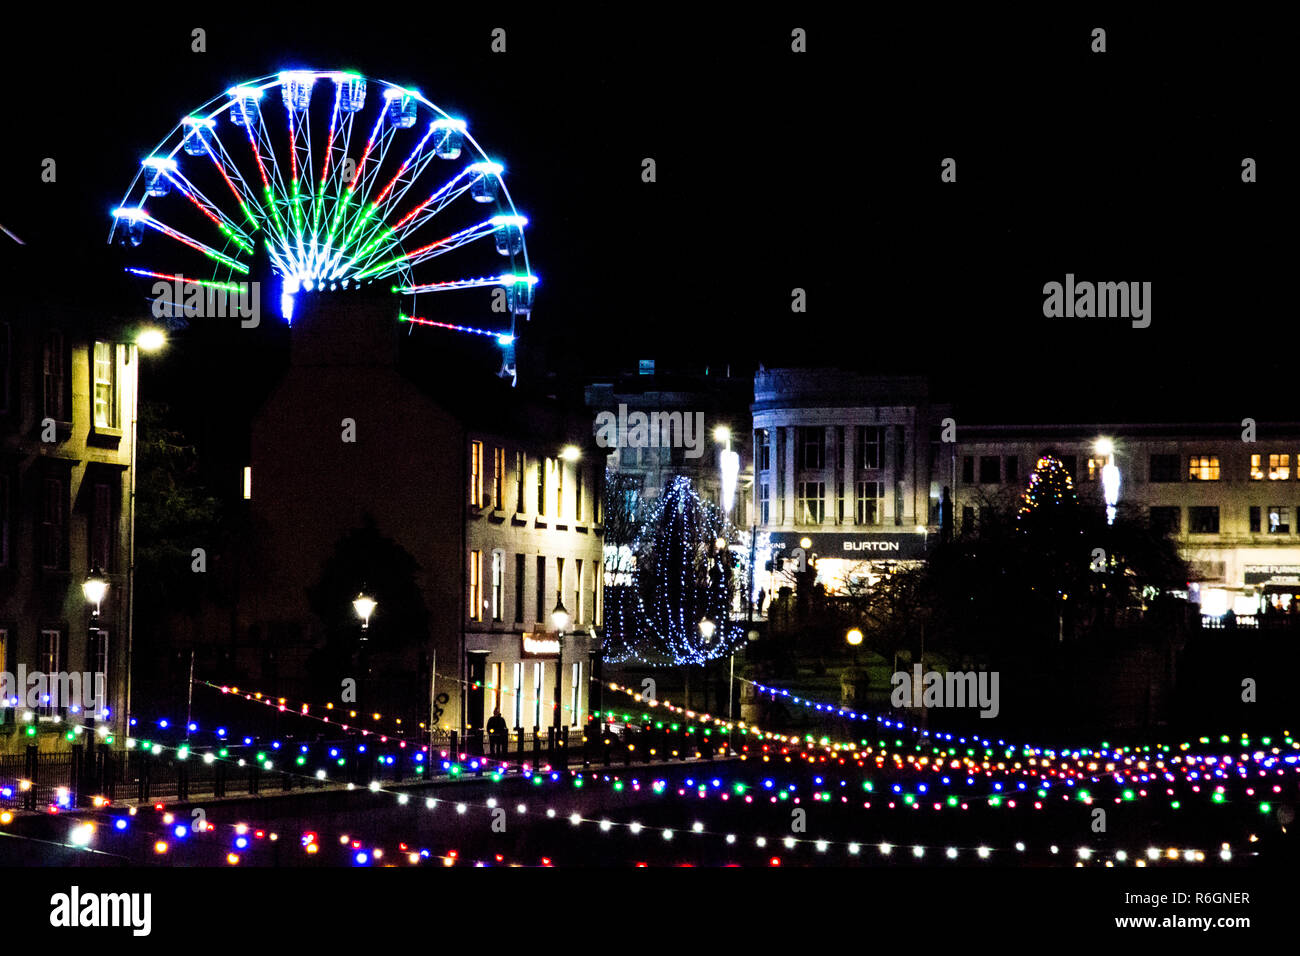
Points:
point(889, 472)
point(789, 450)
point(850, 488)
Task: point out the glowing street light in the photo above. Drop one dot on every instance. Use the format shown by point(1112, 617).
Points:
point(94, 588)
point(365, 606)
point(1109, 477)
point(150, 340)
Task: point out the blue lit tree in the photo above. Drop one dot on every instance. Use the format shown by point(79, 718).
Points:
point(685, 578)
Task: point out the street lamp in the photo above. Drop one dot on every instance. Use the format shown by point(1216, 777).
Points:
point(729, 466)
point(365, 606)
point(1109, 477)
point(560, 621)
point(93, 589)
point(150, 340)
point(707, 628)
point(854, 640)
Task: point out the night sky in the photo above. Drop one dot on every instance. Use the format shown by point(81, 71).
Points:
point(777, 171)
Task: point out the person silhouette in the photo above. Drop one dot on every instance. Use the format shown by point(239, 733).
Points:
point(498, 733)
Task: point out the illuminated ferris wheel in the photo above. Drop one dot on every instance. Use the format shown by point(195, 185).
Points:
point(340, 183)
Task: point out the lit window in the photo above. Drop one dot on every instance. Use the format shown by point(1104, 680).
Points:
point(1279, 519)
point(498, 583)
point(475, 474)
point(1203, 468)
point(476, 585)
point(812, 506)
point(498, 479)
point(870, 498)
point(248, 482)
point(1279, 467)
point(105, 367)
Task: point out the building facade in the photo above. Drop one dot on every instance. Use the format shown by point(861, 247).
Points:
point(690, 422)
point(848, 469)
point(861, 471)
point(493, 497)
point(67, 438)
point(1230, 504)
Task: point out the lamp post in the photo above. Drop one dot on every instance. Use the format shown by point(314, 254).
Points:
point(707, 628)
point(854, 639)
point(729, 466)
point(560, 620)
point(93, 589)
point(1109, 477)
point(365, 606)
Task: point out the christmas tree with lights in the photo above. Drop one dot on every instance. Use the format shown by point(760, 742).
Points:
point(685, 578)
point(1049, 499)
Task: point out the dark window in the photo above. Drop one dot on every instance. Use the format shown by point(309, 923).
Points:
point(52, 540)
point(1203, 520)
point(519, 482)
point(814, 447)
point(1165, 468)
point(101, 528)
point(967, 520)
point(1166, 520)
point(839, 447)
point(577, 492)
point(57, 385)
point(968, 469)
point(990, 473)
point(869, 441)
point(519, 587)
point(1012, 464)
point(1256, 518)
point(543, 466)
point(763, 439)
point(541, 588)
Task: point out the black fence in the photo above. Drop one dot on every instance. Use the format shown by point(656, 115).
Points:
point(79, 776)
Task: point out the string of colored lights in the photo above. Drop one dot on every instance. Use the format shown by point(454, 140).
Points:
point(82, 833)
point(1105, 750)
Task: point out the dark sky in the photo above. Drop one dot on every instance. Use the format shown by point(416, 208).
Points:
point(777, 171)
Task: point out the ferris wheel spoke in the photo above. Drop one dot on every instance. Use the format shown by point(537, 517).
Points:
point(239, 188)
point(431, 250)
point(138, 216)
point(226, 226)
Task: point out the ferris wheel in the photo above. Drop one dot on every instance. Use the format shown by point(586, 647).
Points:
point(340, 183)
